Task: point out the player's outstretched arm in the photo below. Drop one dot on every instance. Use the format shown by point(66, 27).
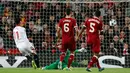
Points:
point(77, 38)
point(58, 34)
point(77, 31)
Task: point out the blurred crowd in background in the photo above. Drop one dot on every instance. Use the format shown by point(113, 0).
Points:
point(42, 19)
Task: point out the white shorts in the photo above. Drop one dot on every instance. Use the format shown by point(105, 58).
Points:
point(26, 48)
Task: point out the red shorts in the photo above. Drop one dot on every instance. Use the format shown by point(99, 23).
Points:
point(95, 45)
point(68, 45)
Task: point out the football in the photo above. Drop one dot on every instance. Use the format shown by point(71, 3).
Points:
point(112, 22)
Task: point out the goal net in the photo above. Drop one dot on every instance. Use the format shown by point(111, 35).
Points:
point(42, 17)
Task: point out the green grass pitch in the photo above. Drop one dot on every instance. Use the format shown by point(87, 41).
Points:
point(74, 70)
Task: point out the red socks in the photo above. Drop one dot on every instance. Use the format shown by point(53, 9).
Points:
point(92, 61)
point(62, 56)
point(98, 65)
point(70, 60)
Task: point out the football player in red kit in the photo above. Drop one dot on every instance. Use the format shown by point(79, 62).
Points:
point(67, 25)
point(93, 27)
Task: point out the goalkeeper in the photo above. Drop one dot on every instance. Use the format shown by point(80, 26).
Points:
point(54, 65)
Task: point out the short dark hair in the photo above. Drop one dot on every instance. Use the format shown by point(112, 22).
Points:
point(68, 11)
point(17, 20)
point(97, 13)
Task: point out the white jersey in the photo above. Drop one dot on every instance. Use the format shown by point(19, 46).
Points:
point(19, 34)
point(22, 42)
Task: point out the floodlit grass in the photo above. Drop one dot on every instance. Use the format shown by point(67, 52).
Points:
point(74, 70)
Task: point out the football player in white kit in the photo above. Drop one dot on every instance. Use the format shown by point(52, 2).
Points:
point(23, 44)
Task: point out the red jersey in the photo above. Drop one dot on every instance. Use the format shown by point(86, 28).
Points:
point(93, 25)
point(67, 25)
